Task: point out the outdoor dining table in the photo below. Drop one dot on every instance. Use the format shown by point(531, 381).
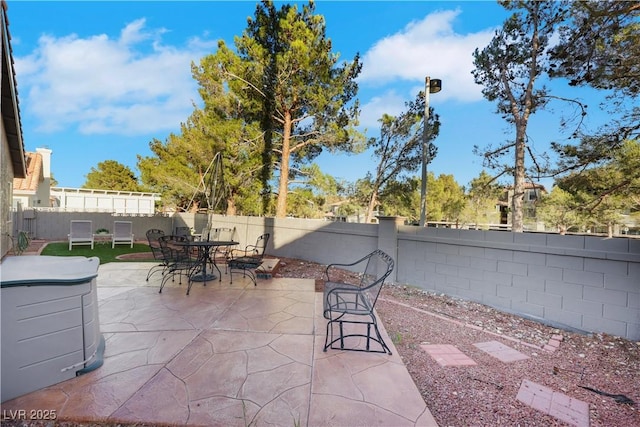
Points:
point(204, 249)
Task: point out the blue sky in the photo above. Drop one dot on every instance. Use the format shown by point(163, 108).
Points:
point(99, 80)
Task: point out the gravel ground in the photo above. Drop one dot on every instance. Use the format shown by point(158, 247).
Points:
point(485, 394)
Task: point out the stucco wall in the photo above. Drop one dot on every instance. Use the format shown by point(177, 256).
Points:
point(313, 240)
point(6, 175)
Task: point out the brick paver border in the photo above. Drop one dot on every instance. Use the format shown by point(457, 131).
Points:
point(447, 355)
point(558, 405)
point(501, 352)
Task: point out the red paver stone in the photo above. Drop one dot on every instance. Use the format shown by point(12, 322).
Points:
point(501, 352)
point(558, 405)
point(447, 355)
point(554, 343)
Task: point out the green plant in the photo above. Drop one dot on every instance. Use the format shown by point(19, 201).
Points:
point(102, 231)
point(104, 252)
point(396, 337)
point(20, 243)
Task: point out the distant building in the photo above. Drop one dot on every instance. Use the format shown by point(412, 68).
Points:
point(335, 216)
point(532, 193)
point(32, 191)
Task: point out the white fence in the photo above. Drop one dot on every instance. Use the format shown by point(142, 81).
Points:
point(88, 200)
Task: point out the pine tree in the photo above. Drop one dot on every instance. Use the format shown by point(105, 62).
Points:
point(111, 175)
point(286, 77)
point(508, 68)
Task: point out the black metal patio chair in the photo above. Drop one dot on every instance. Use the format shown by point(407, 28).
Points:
point(353, 304)
point(184, 232)
point(221, 253)
point(153, 235)
point(179, 260)
point(249, 259)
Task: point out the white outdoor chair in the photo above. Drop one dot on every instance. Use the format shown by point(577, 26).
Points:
point(81, 233)
point(122, 233)
point(204, 236)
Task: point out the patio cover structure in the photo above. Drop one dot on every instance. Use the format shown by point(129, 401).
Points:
point(227, 355)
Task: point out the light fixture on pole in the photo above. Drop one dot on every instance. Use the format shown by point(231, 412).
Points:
point(430, 86)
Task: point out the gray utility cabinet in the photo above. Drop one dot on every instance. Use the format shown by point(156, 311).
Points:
point(50, 325)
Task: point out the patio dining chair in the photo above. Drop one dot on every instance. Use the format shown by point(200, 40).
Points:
point(179, 260)
point(353, 304)
point(205, 234)
point(248, 260)
point(122, 233)
point(80, 233)
point(153, 235)
point(183, 231)
point(221, 234)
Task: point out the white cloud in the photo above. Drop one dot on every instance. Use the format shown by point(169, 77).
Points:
point(99, 85)
point(389, 103)
point(428, 47)
point(134, 32)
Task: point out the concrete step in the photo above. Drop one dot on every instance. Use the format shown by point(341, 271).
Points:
point(268, 268)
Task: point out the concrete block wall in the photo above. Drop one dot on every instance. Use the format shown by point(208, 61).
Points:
point(584, 282)
point(581, 282)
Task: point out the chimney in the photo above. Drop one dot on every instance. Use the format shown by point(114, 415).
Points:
point(46, 161)
point(44, 189)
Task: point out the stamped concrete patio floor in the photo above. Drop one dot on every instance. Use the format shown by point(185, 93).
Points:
point(227, 355)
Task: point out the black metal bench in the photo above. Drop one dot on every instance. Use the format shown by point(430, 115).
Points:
point(354, 303)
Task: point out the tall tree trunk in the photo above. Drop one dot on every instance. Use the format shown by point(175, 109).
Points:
point(283, 186)
point(231, 206)
point(373, 200)
point(517, 211)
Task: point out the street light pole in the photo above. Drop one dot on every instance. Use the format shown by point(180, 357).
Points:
point(430, 86)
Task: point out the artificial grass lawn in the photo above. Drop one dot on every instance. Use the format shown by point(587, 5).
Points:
point(102, 251)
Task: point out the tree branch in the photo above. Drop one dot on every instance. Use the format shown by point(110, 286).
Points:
point(245, 81)
point(499, 150)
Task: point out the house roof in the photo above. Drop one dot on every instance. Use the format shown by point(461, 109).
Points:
point(529, 186)
point(10, 108)
point(35, 175)
point(532, 185)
